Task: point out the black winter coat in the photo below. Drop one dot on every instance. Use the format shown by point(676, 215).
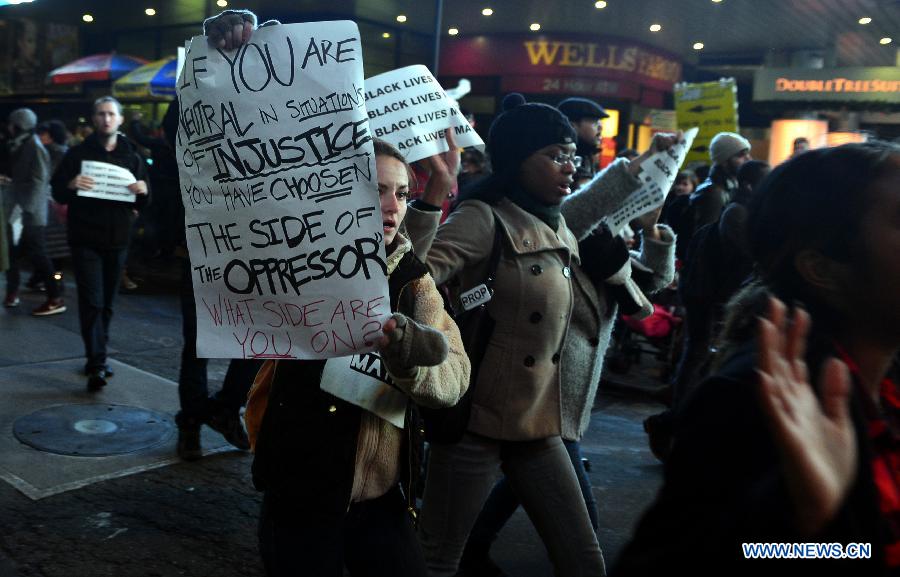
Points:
point(98, 223)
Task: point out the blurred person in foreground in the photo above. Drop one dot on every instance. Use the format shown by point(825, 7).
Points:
point(796, 436)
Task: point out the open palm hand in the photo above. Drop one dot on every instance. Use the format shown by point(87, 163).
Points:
point(815, 436)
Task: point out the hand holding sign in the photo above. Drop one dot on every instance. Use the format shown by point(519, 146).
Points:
point(442, 168)
point(81, 182)
point(657, 173)
point(662, 141)
point(230, 29)
point(138, 187)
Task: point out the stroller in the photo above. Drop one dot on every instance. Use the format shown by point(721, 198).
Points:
point(659, 335)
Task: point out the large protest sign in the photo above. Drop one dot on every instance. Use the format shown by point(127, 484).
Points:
point(278, 180)
point(657, 176)
point(409, 109)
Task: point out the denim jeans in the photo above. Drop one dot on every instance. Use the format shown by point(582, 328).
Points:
point(32, 244)
point(502, 503)
point(374, 539)
point(97, 275)
point(193, 391)
point(540, 473)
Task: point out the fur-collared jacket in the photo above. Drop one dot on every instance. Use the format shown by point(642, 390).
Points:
point(321, 453)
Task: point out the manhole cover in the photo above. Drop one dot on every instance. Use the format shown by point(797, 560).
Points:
point(93, 430)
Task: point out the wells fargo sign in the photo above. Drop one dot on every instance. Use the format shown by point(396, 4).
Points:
point(873, 84)
point(549, 61)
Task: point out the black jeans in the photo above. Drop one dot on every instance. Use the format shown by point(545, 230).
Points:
point(193, 391)
point(502, 503)
point(32, 244)
point(97, 274)
point(374, 539)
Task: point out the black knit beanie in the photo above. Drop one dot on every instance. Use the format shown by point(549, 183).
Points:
point(523, 129)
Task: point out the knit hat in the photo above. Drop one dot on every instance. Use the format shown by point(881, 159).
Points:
point(577, 108)
point(523, 129)
point(23, 119)
point(725, 145)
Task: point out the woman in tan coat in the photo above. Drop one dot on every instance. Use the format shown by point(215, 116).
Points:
point(515, 420)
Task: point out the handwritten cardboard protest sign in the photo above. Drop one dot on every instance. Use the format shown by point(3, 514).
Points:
point(278, 180)
point(110, 181)
point(657, 176)
point(409, 109)
point(363, 380)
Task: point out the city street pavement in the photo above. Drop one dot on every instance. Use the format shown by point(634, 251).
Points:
point(148, 514)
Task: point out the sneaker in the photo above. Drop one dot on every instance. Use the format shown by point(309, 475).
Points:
point(50, 307)
point(189, 443)
point(11, 300)
point(96, 380)
point(128, 284)
point(107, 372)
point(229, 425)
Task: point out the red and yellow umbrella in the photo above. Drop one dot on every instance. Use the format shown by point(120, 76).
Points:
point(156, 79)
point(97, 67)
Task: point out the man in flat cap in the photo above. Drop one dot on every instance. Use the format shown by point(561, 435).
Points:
point(585, 116)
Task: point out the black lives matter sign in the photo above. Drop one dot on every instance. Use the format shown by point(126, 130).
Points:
point(277, 176)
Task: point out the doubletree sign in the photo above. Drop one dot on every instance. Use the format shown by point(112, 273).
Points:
point(859, 84)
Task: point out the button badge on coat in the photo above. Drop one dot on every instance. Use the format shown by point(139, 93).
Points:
point(567, 272)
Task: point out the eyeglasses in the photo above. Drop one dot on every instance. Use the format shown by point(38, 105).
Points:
point(562, 159)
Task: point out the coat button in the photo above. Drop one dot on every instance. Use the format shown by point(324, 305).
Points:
point(332, 409)
point(555, 359)
point(529, 361)
point(526, 242)
point(567, 272)
point(536, 269)
point(594, 341)
point(535, 317)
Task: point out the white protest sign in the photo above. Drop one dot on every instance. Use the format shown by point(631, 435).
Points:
point(657, 176)
point(110, 181)
point(278, 181)
point(363, 380)
point(409, 109)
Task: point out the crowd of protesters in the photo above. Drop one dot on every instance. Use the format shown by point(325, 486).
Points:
point(784, 420)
